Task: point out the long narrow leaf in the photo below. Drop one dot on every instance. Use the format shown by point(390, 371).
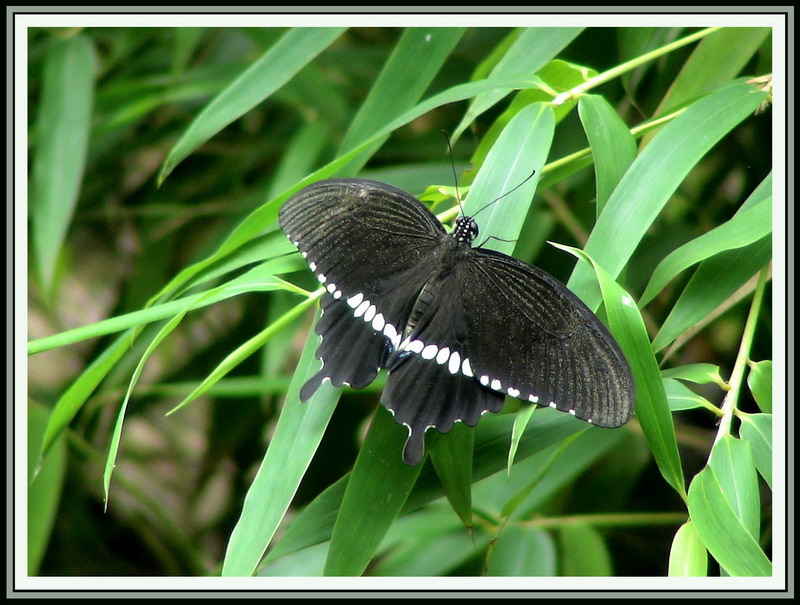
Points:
point(652, 408)
point(398, 88)
point(296, 438)
point(529, 52)
point(743, 229)
point(655, 175)
point(721, 530)
point(63, 128)
point(613, 145)
point(375, 494)
point(265, 76)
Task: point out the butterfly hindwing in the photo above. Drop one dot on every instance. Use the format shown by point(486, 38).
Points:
point(430, 383)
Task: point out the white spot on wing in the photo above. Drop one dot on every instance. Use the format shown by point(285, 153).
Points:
point(331, 287)
point(415, 346)
point(312, 266)
point(466, 369)
point(429, 352)
point(378, 322)
point(337, 295)
point(370, 314)
point(321, 277)
point(496, 385)
point(361, 309)
point(513, 392)
point(443, 356)
point(533, 398)
point(484, 380)
point(455, 363)
point(354, 301)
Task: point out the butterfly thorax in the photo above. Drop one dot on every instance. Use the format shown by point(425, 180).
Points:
point(466, 229)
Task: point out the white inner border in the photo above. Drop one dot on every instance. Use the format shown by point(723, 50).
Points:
point(22, 22)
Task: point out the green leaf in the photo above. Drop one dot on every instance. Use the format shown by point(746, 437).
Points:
point(246, 349)
point(521, 148)
point(732, 462)
point(296, 438)
point(72, 400)
point(757, 431)
point(744, 228)
point(399, 88)
point(258, 279)
point(718, 58)
point(710, 286)
point(433, 554)
point(583, 551)
point(652, 408)
point(723, 534)
point(681, 397)
point(522, 551)
point(521, 419)
point(655, 175)
point(266, 75)
point(613, 145)
point(548, 427)
point(759, 379)
point(556, 76)
point(699, 373)
point(45, 484)
point(688, 556)
point(528, 53)
point(65, 111)
point(451, 455)
point(375, 494)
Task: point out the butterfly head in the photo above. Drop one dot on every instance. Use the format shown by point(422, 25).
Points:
point(466, 229)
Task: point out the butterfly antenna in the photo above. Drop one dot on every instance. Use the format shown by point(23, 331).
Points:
point(527, 178)
point(453, 166)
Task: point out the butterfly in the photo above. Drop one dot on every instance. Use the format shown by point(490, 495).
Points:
point(457, 326)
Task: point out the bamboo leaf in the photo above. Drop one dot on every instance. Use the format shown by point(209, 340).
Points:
point(275, 67)
point(398, 88)
point(744, 228)
point(583, 552)
point(613, 145)
point(655, 175)
point(652, 408)
point(451, 455)
point(759, 379)
point(63, 124)
point(718, 58)
point(757, 431)
point(378, 487)
point(710, 286)
point(296, 438)
point(723, 534)
point(523, 551)
point(688, 556)
point(735, 470)
point(529, 52)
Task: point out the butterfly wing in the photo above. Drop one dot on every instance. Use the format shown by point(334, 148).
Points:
point(371, 245)
point(531, 338)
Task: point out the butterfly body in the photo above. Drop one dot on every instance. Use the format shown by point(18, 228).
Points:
point(458, 327)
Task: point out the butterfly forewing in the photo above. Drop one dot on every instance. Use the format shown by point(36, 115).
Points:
point(371, 246)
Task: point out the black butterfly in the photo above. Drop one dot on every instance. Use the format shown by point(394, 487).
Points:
point(457, 327)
